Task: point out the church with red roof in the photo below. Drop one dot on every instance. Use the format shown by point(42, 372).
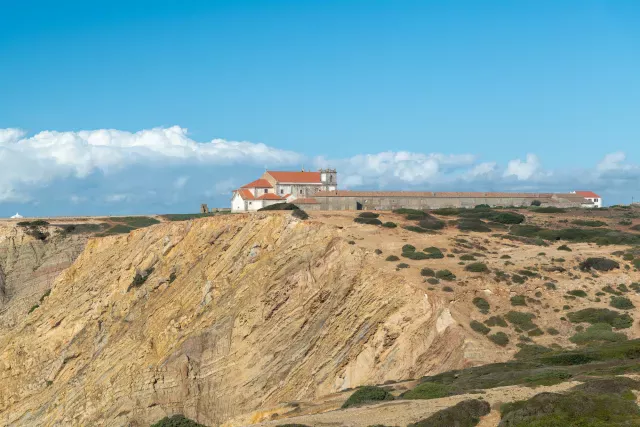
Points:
point(283, 186)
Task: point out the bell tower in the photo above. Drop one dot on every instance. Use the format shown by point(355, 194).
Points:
point(329, 179)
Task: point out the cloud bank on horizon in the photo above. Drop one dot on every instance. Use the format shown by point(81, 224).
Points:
point(109, 170)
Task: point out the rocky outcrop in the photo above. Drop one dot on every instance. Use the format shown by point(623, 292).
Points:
point(28, 268)
point(214, 318)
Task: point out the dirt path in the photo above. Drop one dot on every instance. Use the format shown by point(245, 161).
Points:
point(404, 412)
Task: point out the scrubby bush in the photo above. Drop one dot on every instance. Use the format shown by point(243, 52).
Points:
point(392, 258)
point(389, 224)
point(535, 332)
point(601, 315)
point(621, 303)
point(427, 272)
point(467, 257)
point(407, 211)
point(427, 390)
point(402, 265)
point(430, 222)
point(369, 221)
point(597, 333)
point(536, 203)
point(367, 394)
point(521, 320)
point(477, 267)
point(415, 255)
point(408, 248)
point(518, 300)
point(433, 281)
point(508, 218)
point(140, 278)
point(378, 252)
point(496, 321)
point(564, 248)
point(447, 288)
point(588, 223)
point(415, 229)
point(369, 215)
point(499, 338)
point(300, 214)
point(600, 264)
point(553, 331)
point(479, 327)
point(577, 293)
point(505, 257)
point(464, 414)
point(482, 304)
point(471, 224)
point(177, 421)
point(33, 308)
point(551, 286)
point(549, 209)
point(445, 275)
point(280, 207)
point(433, 252)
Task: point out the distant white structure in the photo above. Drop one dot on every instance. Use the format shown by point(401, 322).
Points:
point(590, 196)
point(17, 216)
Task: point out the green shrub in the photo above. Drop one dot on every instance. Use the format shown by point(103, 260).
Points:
point(571, 409)
point(521, 320)
point(479, 327)
point(551, 286)
point(430, 222)
point(535, 332)
point(601, 315)
point(33, 308)
point(176, 421)
point(445, 275)
point(518, 279)
point(389, 224)
point(628, 257)
point(280, 207)
point(463, 414)
point(597, 333)
point(625, 222)
point(447, 288)
point(564, 248)
point(621, 303)
point(416, 255)
point(369, 221)
point(172, 277)
point(505, 257)
point(408, 248)
point(367, 394)
point(548, 209)
point(300, 214)
point(392, 258)
point(467, 257)
point(553, 331)
point(433, 252)
point(140, 278)
point(415, 229)
point(481, 304)
point(578, 293)
point(588, 223)
point(499, 338)
point(600, 264)
point(518, 300)
point(471, 224)
point(369, 215)
point(496, 321)
point(402, 265)
point(46, 294)
point(433, 281)
point(536, 203)
point(427, 272)
point(407, 211)
point(427, 390)
point(477, 267)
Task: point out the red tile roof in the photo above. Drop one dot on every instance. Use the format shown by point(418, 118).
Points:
point(296, 177)
point(588, 194)
point(270, 196)
point(246, 194)
point(307, 201)
point(258, 183)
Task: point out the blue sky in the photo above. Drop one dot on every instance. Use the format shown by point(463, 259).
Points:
point(493, 95)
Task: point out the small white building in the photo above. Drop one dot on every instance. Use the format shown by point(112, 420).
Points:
point(282, 186)
point(590, 196)
point(17, 216)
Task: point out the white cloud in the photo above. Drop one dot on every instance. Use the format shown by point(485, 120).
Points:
point(486, 169)
point(612, 162)
point(50, 155)
point(523, 170)
point(117, 198)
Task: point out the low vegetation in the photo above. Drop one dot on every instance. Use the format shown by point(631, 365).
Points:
point(477, 267)
point(482, 304)
point(479, 327)
point(601, 315)
point(463, 414)
point(367, 394)
point(589, 223)
point(600, 264)
point(445, 275)
point(177, 421)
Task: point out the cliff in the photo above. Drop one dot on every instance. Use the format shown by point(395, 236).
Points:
point(216, 318)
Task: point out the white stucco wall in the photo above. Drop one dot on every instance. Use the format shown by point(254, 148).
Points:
point(237, 204)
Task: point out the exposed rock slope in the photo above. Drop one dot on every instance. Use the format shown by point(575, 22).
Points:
point(237, 313)
point(28, 268)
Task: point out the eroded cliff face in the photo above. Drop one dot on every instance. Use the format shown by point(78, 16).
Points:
point(28, 268)
point(237, 313)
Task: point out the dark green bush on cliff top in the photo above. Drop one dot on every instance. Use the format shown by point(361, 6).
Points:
point(367, 394)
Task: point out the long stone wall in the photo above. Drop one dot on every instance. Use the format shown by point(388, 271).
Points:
point(389, 203)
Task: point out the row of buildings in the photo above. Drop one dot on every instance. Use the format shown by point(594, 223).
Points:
point(319, 191)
